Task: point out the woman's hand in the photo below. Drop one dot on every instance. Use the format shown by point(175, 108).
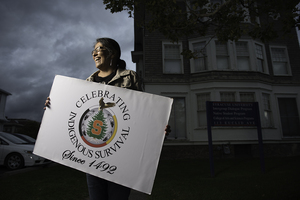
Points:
point(167, 130)
point(47, 103)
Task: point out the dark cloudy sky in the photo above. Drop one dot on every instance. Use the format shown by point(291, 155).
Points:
point(41, 39)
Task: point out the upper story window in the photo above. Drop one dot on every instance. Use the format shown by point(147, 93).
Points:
point(260, 61)
point(222, 55)
point(200, 62)
point(242, 55)
point(172, 58)
point(280, 61)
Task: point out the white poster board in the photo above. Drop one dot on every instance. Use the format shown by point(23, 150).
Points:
point(119, 141)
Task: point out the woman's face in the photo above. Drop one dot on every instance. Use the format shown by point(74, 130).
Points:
point(101, 57)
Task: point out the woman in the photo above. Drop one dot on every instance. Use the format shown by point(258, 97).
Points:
point(111, 71)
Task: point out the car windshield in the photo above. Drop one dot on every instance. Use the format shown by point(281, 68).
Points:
point(13, 138)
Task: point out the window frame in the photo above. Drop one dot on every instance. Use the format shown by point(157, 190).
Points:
point(206, 58)
point(287, 96)
point(228, 56)
point(199, 125)
point(265, 63)
point(232, 56)
point(171, 136)
point(288, 67)
point(180, 57)
point(267, 110)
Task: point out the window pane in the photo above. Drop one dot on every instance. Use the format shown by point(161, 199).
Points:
point(222, 62)
point(247, 97)
point(172, 51)
point(242, 48)
point(243, 63)
point(199, 49)
point(278, 54)
point(221, 48)
point(173, 66)
point(279, 68)
point(227, 96)
point(259, 65)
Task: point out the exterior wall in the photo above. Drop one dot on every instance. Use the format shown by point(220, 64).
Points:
point(187, 85)
point(225, 134)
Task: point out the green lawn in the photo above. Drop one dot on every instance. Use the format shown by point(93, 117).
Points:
point(176, 180)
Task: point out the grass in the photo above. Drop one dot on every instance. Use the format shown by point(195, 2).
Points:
point(50, 183)
point(235, 179)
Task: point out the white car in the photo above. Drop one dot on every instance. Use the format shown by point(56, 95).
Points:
point(16, 153)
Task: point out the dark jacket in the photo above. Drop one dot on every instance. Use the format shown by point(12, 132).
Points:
point(123, 78)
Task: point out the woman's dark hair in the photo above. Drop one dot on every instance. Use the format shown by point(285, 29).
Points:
point(114, 48)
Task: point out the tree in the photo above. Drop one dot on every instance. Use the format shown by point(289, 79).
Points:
point(223, 19)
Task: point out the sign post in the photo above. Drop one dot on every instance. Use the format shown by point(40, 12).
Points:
point(233, 114)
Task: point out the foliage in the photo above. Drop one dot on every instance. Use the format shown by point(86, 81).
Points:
point(217, 18)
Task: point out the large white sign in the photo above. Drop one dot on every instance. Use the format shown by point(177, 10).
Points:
point(110, 132)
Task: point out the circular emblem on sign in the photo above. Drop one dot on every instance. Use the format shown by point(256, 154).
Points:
point(98, 127)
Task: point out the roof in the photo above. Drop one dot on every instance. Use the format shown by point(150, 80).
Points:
point(4, 92)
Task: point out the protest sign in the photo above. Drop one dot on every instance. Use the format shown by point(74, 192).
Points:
point(110, 132)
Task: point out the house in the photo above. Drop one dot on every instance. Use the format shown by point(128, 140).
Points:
point(3, 96)
point(246, 70)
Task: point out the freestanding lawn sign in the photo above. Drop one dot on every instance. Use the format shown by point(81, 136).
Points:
point(233, 114)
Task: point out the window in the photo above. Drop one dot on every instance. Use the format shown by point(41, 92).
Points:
point(201, 108)
point(200, 62)
point(280, 61)
point(177, 119)
point(172, 58)
point(267, 120)
point(242, 52)
point(259, 58)
point(222, 55)
point(289, 117)
point(227, 96)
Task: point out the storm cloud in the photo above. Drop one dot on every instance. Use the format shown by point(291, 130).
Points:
point(41, 39)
